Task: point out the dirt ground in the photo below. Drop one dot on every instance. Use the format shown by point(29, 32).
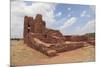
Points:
point(24, 55)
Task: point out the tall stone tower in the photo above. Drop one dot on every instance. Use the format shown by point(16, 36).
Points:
point(38, 27)
point(26, 23)
point(39, 24)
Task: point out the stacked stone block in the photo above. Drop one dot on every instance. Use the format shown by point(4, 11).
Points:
point(36, 29)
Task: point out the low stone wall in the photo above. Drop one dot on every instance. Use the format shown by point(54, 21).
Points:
point(76, 38)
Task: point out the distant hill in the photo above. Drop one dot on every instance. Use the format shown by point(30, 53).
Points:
point(92, 35)
point(16, 38)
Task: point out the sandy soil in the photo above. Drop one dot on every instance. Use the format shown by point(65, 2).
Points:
point(23, 55)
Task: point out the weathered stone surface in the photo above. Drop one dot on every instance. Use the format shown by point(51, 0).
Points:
point(92, 42)
point(39, 24)
point(47, 41)
point(26, 23)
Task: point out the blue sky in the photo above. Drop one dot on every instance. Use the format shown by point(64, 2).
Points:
point(69, 19)
point(72, 10)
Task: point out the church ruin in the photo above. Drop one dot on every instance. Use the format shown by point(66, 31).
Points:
point(47, 41)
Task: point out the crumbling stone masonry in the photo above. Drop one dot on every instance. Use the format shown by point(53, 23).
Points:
point(47, 41)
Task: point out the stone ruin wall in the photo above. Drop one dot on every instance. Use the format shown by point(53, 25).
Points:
point(38, 27)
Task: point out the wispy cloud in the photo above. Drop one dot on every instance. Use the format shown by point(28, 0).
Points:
point(83, 14)
point(59, 14)
point(89, 27)
point(69, 8)
point(56, 16)
point(93, 7)
point(19, 9)
point(67, 23)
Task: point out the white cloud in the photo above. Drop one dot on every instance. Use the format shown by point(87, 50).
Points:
point(88, 16)
point(19, 9)
point(69, 9)
point(59, 14)
point(69, 15)
point(87, 28)
point(83, 14)
point(68, 23)
point(93, 7)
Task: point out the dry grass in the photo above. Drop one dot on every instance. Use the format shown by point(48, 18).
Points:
point(23, 55)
